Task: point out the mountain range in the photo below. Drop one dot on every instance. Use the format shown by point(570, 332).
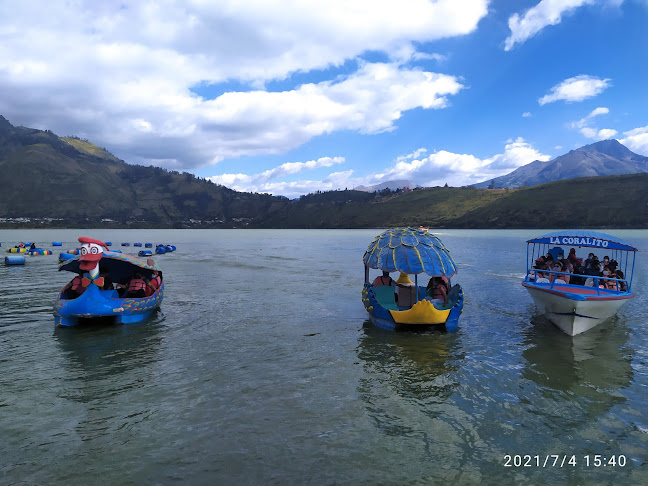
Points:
point(46, 176)
point(604, 158)
point(51, 181)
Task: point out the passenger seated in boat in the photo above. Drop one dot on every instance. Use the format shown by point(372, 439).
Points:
point(153, 284)
point(383, 279)
point(558, 278)
point(573, 259)
point(437, 290)
point(589, 262)
point(622, 285)
point(73, 288)
point(406, 295)
point(540, 277)
point(577, 280)
point(608, 284)
point(136, 286)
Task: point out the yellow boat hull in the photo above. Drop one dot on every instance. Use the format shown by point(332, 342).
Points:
point(423, 312)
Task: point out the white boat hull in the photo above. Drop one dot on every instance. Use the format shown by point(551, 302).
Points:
point(575, 313)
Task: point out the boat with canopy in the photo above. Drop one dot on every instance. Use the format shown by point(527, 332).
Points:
point(577, 299)
point(406, 305)
point(95, 267)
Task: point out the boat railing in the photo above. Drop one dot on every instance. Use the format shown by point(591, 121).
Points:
point(619, 282)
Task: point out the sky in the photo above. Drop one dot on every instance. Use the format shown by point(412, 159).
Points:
point(290, 97)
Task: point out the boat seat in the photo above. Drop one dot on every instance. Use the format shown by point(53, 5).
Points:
point(385, 296)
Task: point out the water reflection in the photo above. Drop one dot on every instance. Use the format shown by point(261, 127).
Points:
point(416, 367)
point(102, 355)
point(108, 381)
point(589, 369)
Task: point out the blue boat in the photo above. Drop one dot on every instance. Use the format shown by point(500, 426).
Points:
point(583, 294)
point(412, 252)
point(94, 267)
point(64, 257)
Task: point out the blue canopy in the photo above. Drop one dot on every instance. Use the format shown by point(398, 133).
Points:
point(410, 251)
point(592, 239)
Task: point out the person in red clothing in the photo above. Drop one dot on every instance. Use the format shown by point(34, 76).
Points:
point(383, 279)
point(136, 287)
point(573, 259)
point(153, 284)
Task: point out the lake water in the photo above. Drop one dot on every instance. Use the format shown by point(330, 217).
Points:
point(262, 368)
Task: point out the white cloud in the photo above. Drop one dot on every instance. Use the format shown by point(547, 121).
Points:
point(435, 169)
point(577, 88)
point(527, 114)
point(264, 181)
point(584, 126)
point(587, 119)
point(122, 73)
point(444, 167)
point(545, 13)
point(606, 133)
point(464, 169)
point(636, 140)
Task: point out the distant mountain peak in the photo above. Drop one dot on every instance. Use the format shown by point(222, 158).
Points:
point(392, 185)
point(607, 157)
point(609, 147)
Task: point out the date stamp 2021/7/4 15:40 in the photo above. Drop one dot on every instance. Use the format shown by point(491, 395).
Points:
point(565, 460)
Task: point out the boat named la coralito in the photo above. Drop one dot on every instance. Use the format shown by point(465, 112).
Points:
point(578, 279)
point(404, 304)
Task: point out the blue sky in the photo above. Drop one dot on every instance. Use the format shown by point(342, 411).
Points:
point(291, 97)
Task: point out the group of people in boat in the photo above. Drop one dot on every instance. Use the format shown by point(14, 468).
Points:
point(137, 286)
point(436, 290)
point(579, 271)
point(22, 245)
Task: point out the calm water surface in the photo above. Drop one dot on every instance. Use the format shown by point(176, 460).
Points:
point(262, 368)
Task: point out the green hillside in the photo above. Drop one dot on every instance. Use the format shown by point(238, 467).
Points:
point(595, 202)
point(45, 176)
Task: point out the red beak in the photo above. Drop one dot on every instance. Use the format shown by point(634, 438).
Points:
point(89, 260)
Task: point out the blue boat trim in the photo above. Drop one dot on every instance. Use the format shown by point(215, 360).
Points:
point(573, 314)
